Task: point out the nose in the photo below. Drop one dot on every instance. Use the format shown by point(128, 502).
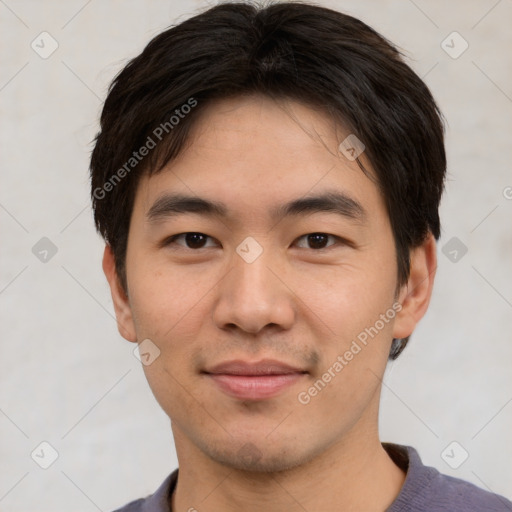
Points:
point(254, 295)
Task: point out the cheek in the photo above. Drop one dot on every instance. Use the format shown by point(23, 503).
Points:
point(348, 298)
point(169, 308)
point(166, 301)
point(356, 306)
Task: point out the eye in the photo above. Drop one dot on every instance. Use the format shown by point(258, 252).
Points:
point(318, 240)
point(192, 240)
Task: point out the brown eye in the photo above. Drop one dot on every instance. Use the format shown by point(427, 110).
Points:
point(195, 240)
point(318, 241)
point(192, 240)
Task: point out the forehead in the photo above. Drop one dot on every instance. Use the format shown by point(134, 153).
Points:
point(254, 153)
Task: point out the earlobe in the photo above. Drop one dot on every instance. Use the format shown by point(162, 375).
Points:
point(415, 294)
point(122, 307)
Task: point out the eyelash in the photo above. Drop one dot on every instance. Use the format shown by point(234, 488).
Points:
point(172, 240)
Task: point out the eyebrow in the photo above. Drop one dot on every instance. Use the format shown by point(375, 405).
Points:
point(172, 205)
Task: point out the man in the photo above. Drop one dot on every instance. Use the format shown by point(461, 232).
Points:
point(267, 180)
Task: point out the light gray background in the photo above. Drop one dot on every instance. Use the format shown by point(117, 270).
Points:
point(69, 379)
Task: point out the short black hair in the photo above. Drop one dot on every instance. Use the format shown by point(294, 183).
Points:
point(287, 50)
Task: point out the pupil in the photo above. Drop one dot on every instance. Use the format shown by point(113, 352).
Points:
point(316, 239)
point(194, 240)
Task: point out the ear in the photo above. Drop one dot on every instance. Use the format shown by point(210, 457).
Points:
point(124, 317)
point(415, 294)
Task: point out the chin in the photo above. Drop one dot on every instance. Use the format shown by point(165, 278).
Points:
point(257, 458)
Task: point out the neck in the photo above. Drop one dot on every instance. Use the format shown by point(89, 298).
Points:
point(351, 475)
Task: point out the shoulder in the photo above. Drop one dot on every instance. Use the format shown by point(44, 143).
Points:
point(133, 506)
point(157, 502)
point(427, 490)
point(450, 493)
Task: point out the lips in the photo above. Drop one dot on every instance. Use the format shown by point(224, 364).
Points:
point(264, 367)
point(254, 381)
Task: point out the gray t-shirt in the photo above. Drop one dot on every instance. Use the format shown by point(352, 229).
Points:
point(425, 490)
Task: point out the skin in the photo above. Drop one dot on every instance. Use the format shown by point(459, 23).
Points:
point(294, 303)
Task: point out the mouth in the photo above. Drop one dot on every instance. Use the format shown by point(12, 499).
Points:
point(254, 381)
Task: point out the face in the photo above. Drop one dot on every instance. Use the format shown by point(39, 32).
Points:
point(312, 287)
